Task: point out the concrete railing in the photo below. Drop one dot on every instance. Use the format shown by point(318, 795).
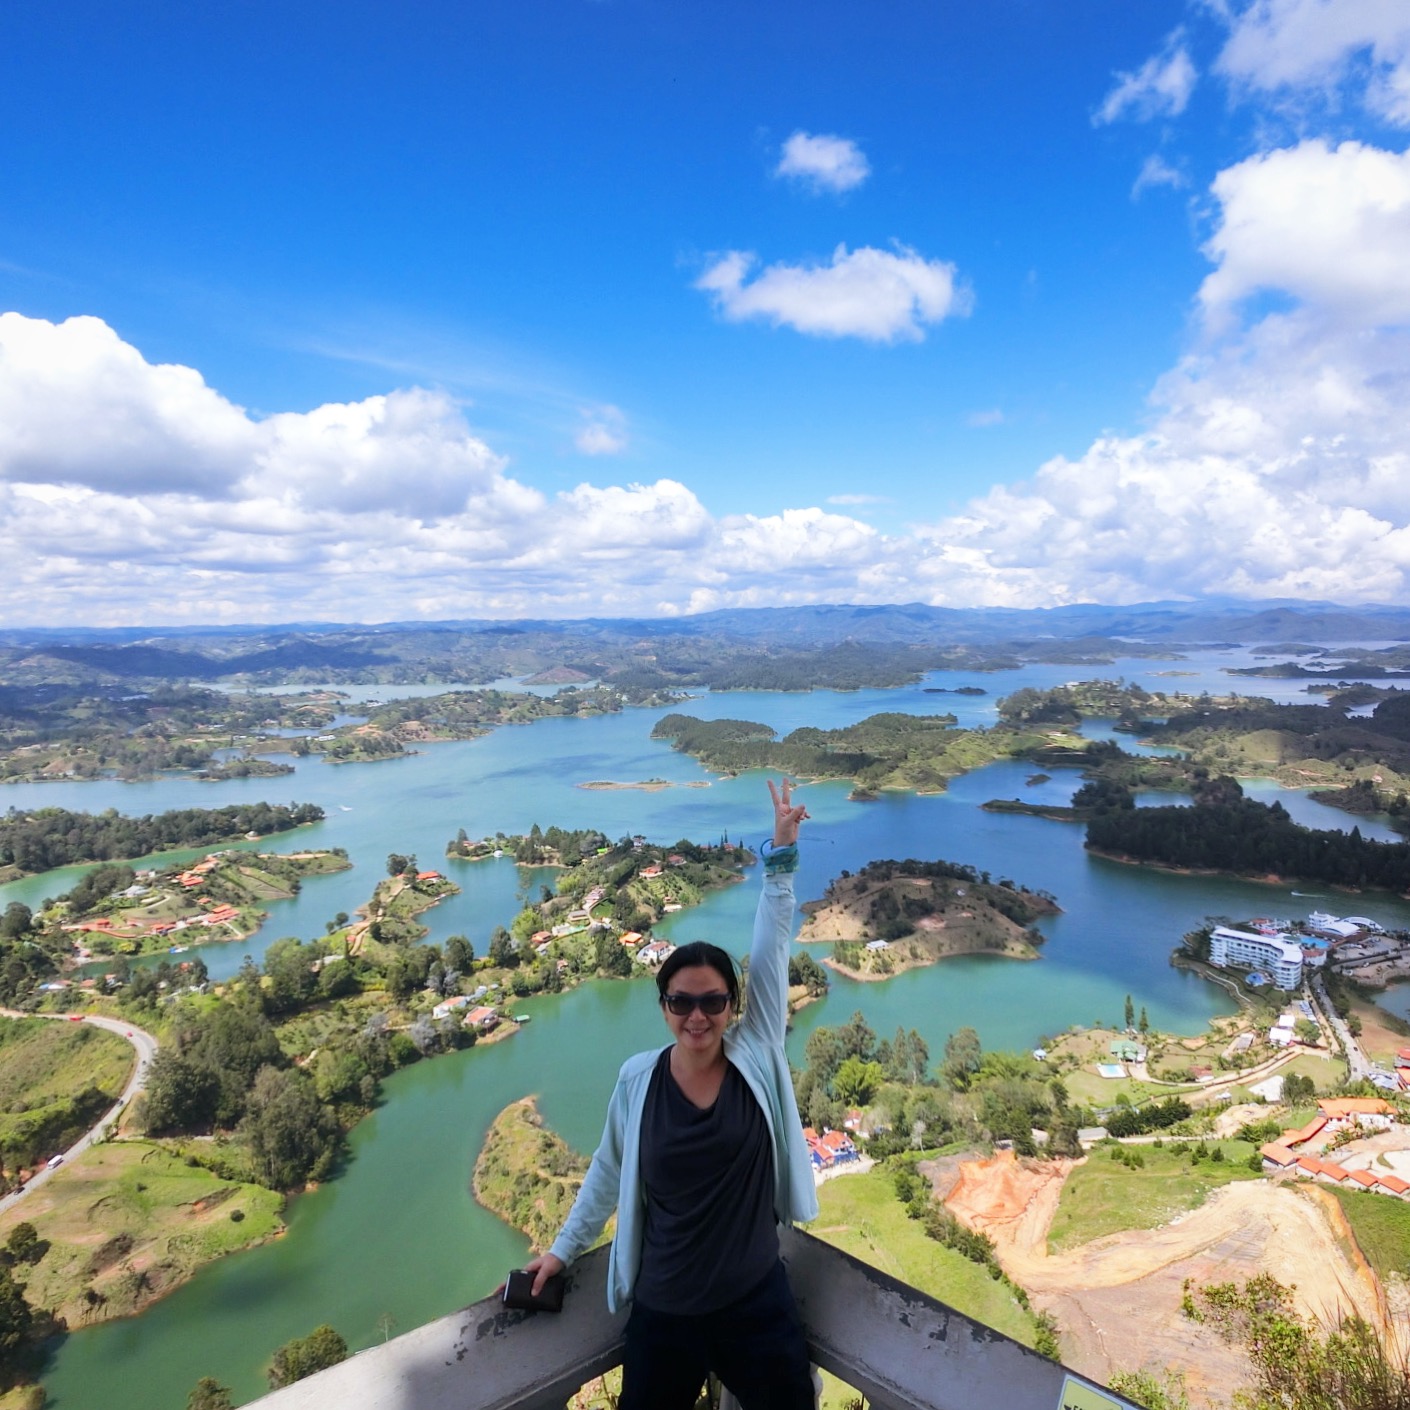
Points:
point(899, 1348)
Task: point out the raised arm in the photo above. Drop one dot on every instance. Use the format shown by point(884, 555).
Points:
point(766, 1010)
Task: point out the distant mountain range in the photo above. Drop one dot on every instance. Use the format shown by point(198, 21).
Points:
point(465, 650)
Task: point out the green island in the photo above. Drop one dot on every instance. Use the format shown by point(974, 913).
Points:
point(922, 753)
point(526, 1174)
point(45, 838)
point(597, 917)
point(892, 916)
point(96, 729)
point(393, 729)
point(116, 911)
point(889, 750)
point(1233, 835)
point(52, 732)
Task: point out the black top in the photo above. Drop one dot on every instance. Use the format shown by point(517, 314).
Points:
point(710, 1233)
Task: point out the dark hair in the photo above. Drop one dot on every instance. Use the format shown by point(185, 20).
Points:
point(700, 952)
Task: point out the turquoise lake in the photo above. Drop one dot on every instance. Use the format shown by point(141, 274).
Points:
point(396, 1238)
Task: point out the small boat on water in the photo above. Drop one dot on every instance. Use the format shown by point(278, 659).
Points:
point(522, 1017)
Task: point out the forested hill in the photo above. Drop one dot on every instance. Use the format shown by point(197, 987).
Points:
point(886, 750)
point(54, 837)
point(1250, 839)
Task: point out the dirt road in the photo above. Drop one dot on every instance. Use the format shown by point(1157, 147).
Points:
point(1117, 1299)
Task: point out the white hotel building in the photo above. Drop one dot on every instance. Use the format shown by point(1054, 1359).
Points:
point(1275, 955)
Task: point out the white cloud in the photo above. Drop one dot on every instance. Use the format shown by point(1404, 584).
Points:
point(1328, 226)
point(879, 295)
point(1275, 464)
point(80, 406)
point(990, 416)
point(1290, 48)
point(1161, 87)
point(858, 499)
point(1156, 171)
point(603, 432)
point(408, 451)
point(823, 162)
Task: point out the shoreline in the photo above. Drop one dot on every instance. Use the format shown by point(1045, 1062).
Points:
point(903, 966)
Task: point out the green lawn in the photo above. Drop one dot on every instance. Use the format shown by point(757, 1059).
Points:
point(1382, 1229)
point(861, 1215)
point(1104, 1196)
point(1091, 1089)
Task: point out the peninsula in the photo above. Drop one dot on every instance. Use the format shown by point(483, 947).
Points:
point(897, 915)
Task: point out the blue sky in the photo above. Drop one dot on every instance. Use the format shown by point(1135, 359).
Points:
point(590, 307)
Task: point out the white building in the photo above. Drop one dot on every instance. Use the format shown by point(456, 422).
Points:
point(1241, 949)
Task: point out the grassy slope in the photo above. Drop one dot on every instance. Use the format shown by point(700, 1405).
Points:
point(1382, 1229)
point(55, 1079)
point(861, 1215)
point(128, 1208)
point(1103, 1196)
point(42, 1061)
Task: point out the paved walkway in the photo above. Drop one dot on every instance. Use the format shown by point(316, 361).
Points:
point(146, 1047)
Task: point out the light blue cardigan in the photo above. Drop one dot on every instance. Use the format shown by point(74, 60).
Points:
point(755, 1046)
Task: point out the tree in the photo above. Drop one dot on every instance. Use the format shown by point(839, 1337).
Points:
point(292, 981)
point(321, 1348)
point(963, 1056)
point(805, 970)
point(1307, 1032)
point(24, 1244)
point(1144, 1024)
point(292, 1137)
point(856, 1081)
point(16, 922)
point(906, 1058)
point(460, 954)
point(503, 951)
point(612, 956)
point(182, 1094)
point(1130, 1015)
point(16, 1320)
point(397, 863)
point(209, 1394)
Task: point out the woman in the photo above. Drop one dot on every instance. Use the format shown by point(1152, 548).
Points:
point(703, 1157)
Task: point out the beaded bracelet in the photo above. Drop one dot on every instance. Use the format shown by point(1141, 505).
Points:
point(779, 860)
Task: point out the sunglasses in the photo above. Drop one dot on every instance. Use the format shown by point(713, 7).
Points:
point(683, 1004)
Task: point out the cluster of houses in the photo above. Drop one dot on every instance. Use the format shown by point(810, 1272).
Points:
point(189, 880)
point(1295, 1154)
point(829, 1150)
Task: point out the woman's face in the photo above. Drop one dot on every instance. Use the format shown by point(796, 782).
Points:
point(698, 1031)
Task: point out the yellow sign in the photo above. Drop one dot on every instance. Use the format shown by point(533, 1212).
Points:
point(1076, 1396)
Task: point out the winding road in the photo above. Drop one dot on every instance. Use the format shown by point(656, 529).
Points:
point(146, 1046)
